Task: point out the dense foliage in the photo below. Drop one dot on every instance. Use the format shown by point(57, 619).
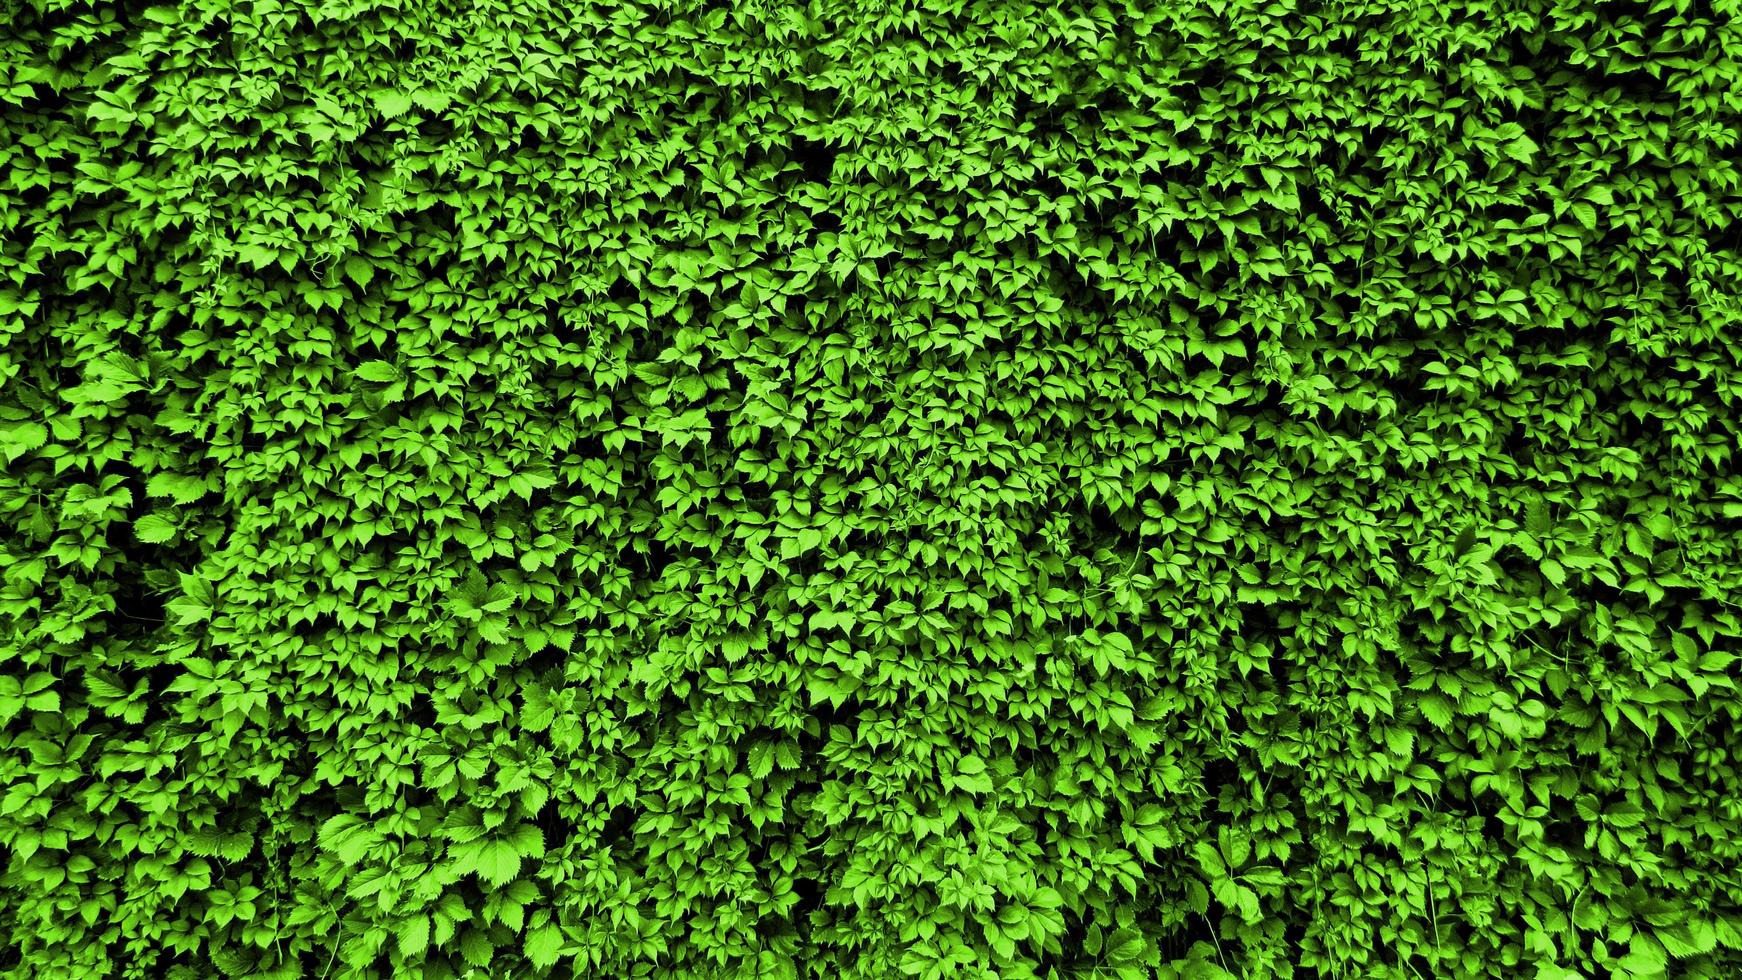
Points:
point(859, 490)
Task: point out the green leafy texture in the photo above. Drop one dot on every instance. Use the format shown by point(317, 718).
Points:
point(973, 490)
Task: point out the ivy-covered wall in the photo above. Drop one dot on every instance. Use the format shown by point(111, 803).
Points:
point(870, 489)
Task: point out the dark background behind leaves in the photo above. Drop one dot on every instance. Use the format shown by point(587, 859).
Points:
point(865, 490)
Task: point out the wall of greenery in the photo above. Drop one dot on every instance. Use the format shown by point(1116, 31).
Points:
point(865, 489)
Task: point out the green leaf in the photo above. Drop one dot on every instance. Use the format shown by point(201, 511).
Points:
point(19, 438)
point(392, 103)
point(544, 945)
point(499, 863)
point(347, 837)
point(154, 529)
point(413, 937)
point(1437, 710)
point(360, 270)
point(178, 487)
point(1523, 149)
point(1645, 956)
point(476, 948)
point(377, 372)
point(1126, 945)
point(258, 256)
point(1209, 859)
point(1693, 938)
